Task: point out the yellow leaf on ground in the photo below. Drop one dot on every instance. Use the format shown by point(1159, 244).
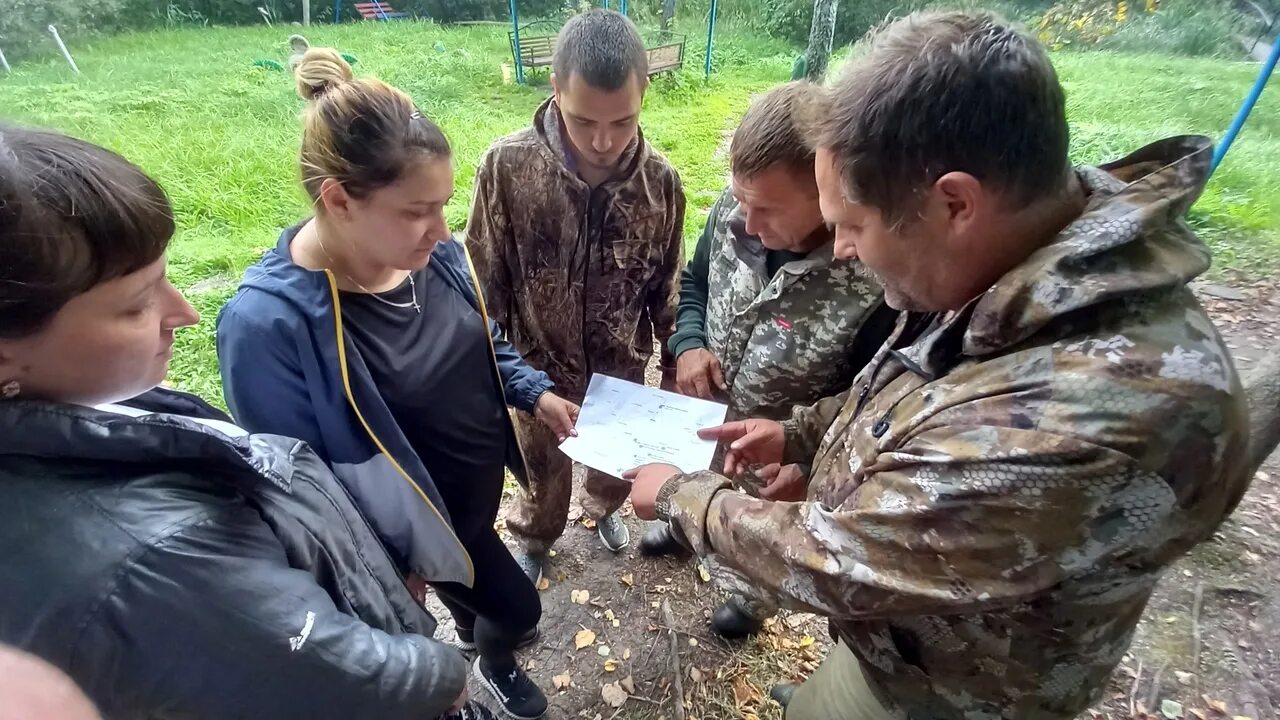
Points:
point(628, 684)
point(561, 682)
point(806, 641)
point(584, 638)
point(626, 654)
point(580, 597)
point(695, 674)
point(702, 573)
point(628, 579)
point(610, 665)
point(543, 583)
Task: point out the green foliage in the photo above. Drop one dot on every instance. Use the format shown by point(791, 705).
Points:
point(24, 23)
point(1175, 27)
point(1185, 27)
point(790, 19)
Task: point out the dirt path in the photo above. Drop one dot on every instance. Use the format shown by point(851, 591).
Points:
point(628, 646)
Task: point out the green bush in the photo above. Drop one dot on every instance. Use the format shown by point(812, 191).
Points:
point(24, 23)
point(1183, 27)
point(790, 19)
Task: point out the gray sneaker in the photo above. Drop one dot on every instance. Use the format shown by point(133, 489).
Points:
point(532, 563)
point(613, 532)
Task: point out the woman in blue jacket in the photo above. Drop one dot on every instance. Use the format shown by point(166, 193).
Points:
point(364, 334)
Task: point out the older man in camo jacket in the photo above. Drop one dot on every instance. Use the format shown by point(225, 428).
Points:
point(1056, 422)
point(768, 319)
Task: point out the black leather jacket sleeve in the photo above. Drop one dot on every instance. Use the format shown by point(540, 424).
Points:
point(249, 637)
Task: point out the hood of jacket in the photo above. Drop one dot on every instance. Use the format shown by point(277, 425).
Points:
point(1131, 240)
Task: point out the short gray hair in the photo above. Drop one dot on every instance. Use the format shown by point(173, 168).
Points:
point(603, 46)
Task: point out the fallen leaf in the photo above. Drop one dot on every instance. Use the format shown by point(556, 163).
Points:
point(614, 694)
point(588, 523)
point(616, 623)
point(1171, 709)
point(806, 641)
point(561, 682)
point(744, 693)
point(628, 579)
point(1184, 678)
point(695, 674)
point(1241, 717)
point(603, 651)
point(580, 597)
point(551, 553)
point(543, 583)
point(693, 642)
point(584, 638)
point(626, 654)
point(702, 573)
point(1216, 705)
point(608, 613)
point(628, 684)
point(610, 665)
point(1200, 714)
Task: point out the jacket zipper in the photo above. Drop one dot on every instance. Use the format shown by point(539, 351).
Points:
point(493, 352)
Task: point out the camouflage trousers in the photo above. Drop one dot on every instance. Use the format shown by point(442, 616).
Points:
point(540, 512)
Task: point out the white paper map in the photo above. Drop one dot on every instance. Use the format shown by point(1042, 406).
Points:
point(624, 425)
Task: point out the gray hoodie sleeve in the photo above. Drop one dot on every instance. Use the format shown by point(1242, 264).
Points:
point(209, 633)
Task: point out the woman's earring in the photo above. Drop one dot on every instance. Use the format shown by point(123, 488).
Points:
point(10, 390)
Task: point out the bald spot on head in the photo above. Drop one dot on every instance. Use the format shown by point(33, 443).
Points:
point(32, 688)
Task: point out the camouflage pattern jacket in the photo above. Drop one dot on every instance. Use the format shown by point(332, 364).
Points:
point(787, 338)
point(994, 499)
point(582, 278)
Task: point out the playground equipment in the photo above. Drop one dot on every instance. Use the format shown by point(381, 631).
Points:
point(533, 44)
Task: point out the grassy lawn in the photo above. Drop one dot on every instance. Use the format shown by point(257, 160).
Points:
point(221, 135)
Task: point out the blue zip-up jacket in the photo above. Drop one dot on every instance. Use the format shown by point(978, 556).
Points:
point(289, 369)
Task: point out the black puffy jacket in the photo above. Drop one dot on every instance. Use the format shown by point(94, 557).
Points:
point(177, 572)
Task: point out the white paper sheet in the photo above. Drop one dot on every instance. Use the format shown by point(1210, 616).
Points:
point(624, 425)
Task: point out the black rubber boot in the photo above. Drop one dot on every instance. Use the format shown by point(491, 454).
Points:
point(781, 694)
point(659, 541)
point(733, 623)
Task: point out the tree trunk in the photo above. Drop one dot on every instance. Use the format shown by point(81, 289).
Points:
point(306, 13)
point(821, 34)
point(668, 13)
point(1262, 388)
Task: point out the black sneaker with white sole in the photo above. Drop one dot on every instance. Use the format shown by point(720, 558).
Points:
point(518, 697)
point(467, 639)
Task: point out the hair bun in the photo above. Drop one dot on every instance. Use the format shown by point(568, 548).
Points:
point(319, 71)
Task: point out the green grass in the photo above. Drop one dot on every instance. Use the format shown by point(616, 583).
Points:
point(221, 135)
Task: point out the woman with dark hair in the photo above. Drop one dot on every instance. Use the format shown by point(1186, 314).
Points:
point(364, 333)
point(170, 563)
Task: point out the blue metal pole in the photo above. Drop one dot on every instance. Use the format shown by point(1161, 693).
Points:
point(622, 6)
point(515, 39)
point(711, 31)
point(337, 11)
point(1268, 67)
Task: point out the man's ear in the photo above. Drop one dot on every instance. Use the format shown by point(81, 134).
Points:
point(335, 199)
point(555, 87)
point(961, 194)
point(10, 368)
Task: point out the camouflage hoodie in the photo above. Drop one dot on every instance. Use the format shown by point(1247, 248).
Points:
point(996, 496)
point(790, 338)
point(582, 278)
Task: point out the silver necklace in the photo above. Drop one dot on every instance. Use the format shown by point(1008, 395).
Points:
point(413, 289)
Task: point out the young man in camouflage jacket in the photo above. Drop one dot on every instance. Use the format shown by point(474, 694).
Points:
point(576, 233)
point(1055, 423)
point(767, 318)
